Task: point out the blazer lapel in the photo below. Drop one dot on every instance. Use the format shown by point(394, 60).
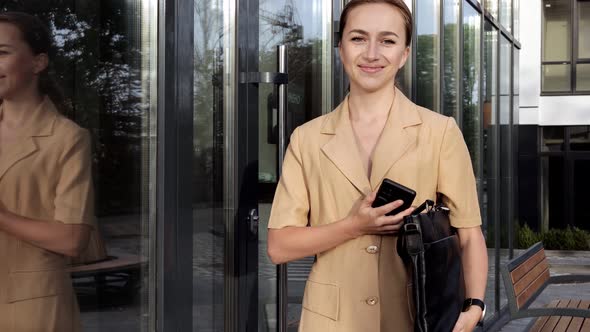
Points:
point(396, 137)
point(38, 124)
point(342, 149)
point(16, 154)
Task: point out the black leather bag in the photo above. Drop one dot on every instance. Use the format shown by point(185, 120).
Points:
point(430, 248)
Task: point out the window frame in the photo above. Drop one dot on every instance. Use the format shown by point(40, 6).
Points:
point(573, 60)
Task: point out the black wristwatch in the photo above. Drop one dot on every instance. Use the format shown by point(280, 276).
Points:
point(469, 302)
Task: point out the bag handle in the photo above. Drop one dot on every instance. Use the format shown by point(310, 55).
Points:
point(426, 204)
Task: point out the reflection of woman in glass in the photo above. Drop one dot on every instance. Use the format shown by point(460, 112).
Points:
point(46, 199)
point(333, 167)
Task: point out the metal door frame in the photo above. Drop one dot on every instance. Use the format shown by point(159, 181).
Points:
point(174, 244)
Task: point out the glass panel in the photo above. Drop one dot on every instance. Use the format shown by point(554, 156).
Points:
point(471, 85)
point(427, 54)
point(579, 138)
point(104, 61)
point(516, 69)
point(553, 139)
point(516, 27)
point(451, 58)
point(581, 213)
point(210, 117)
point(583, 77)
point(505, 80)
point(556, 30)
point(515, 138)
point(552, 192)
point(583, 29)
point(505, 145)
point(556, 78)
point(492, 7)
point(506, 14)
point(490, 152)
point(299, 24)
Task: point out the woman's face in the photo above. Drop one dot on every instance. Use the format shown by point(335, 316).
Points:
point(18, 65)
point(373, 46)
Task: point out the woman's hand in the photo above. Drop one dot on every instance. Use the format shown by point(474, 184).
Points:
point(468, 319)
point(365, 219)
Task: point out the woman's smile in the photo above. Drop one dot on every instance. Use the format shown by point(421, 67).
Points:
point(371, 69)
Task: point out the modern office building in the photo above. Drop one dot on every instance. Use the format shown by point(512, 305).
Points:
point(190, 103)
point(555, 114)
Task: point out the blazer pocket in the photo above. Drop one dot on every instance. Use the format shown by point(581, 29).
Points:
point(322, 299)
point(32, 285)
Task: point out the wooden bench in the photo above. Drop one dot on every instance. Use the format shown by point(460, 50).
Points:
point(526, 276)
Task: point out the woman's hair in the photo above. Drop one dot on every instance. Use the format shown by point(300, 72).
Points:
point(37, 36)
point(399, 4)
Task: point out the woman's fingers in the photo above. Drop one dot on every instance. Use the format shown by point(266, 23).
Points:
point(384, 209)
point(395, 219)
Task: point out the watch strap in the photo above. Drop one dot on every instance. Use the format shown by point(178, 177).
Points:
point(471, 301)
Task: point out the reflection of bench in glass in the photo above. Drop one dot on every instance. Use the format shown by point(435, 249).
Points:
point(115, 273)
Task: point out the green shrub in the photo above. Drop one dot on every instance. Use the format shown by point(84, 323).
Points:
point(581, 238)
point(555, 239)
point(526, 237)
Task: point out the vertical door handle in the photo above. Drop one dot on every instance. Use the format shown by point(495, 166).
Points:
point(282, 290)
point(282, 107)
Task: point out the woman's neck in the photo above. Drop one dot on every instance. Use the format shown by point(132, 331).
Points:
point(15, 110)
point(368, 106)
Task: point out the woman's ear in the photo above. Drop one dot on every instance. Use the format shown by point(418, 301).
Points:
point(404, 57)
point(40, 63)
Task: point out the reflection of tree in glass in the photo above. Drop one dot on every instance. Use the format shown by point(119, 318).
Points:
point(426, 66)
point(471, 56)
point(280, 24)
point(279, 27)
point(97, 63)
point(208, 99)
point(450, 70)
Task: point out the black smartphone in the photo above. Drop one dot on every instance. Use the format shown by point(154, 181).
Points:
point(390, 191)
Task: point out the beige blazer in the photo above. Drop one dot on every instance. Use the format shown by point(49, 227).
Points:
point(361, 285)
point(47, 176)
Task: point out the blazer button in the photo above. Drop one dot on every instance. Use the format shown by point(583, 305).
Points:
point(372, 249)
point(372, 300)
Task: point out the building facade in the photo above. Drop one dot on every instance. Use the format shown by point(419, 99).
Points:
point(191, 104)
point(554, 114)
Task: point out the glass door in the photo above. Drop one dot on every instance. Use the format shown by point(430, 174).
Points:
point(275, 95)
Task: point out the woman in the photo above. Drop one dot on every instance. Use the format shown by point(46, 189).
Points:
point(335, 164)
point(46, 198)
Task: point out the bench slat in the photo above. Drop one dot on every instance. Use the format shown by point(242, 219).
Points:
point(541, 321)
point(576, 324)
point(553, 320)
point(526, 280)
point(531, 289)
point(586, 326)
point(525, 267)
point(565, 321)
